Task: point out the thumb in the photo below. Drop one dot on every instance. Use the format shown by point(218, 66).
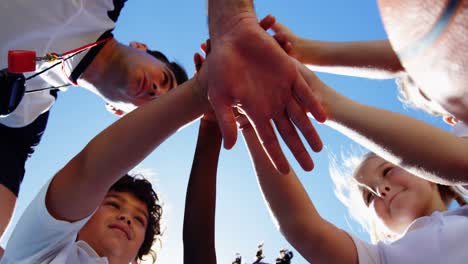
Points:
point(226, 121)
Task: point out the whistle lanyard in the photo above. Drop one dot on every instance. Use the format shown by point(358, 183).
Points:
point(51, 57)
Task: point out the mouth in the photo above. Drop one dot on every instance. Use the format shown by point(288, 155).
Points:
point(391, 199)
point(121, 230)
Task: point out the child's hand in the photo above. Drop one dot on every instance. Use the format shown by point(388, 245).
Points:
point(198, 59)
point(286, 38)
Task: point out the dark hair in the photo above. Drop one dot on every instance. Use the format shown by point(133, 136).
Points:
point(179, 72)
point(142, 189)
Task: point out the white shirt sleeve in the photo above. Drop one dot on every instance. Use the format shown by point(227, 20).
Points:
point(38, 237)
point(460, 129)
point(367, 253)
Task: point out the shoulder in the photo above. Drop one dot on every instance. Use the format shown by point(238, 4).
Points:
point(54, 239)
point(367, 253)
point(432, 239)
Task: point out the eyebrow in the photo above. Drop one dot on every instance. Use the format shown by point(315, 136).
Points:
point(123, 200)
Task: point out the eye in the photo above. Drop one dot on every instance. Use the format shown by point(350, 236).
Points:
point(113, 204)
point(165, 79)
point(386, 171)
point(369, 198)
point(140, 220)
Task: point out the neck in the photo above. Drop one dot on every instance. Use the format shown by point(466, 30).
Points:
point(98, 68)
point(117, 260)
point(438, 203)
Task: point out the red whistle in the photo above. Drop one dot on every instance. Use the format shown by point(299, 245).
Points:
point(20, 61)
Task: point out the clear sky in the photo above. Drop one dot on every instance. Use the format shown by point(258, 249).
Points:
point(177, 28)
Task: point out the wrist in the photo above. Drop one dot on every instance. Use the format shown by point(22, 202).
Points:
point(300, 47)
point(199, 92)
point(223, 24)
point(308, 51)
point(333, 103)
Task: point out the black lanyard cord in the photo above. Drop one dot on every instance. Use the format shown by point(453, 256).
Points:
point(49, 68)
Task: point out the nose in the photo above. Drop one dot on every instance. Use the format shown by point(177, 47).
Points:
point(384, 190)
point(124, 218)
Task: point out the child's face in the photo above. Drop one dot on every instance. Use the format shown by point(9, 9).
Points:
point(118, 227)
point(396, 196)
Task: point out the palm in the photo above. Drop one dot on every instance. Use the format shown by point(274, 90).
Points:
point(244, 71)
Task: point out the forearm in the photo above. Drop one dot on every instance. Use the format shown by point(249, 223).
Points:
point(200, 201)
point(316, 239)
point(80, 186)
point(222, 14)
point(370, 59)
point(427, 151)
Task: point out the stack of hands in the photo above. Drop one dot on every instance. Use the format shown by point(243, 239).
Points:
point(264, 86)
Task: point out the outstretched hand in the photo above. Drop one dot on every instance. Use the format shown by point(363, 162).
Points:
point(198, 60)
point(249, 70)
point(286, 38)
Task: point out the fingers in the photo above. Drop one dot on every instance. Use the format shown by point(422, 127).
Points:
point(267, 22)
point(283, 41)
point(206, 46)
point(267, 137)
point(226, 121)
point(198, 60)
point(278, 27)
point(299, 117)
point(304, 94)
point(291, 138)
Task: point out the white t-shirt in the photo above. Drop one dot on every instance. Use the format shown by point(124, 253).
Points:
point(47, 26)
point(460, 129)
point(39, 238)
point(439, 238)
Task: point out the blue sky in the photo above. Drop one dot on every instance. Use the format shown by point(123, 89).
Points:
point(177, 28)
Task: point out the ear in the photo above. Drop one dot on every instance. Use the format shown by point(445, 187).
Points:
point(450, 120)
point(114, 110)
point(138, 45)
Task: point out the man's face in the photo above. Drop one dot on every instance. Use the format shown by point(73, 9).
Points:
point(117, 229)
point(137, 78)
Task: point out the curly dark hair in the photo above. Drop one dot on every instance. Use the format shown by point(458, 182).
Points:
point(142, 189)
point(179, 72)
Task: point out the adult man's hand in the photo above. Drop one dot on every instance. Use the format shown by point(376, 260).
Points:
point(249, 70)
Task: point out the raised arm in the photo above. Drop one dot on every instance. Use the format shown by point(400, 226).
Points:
point(80, 186)
point(200, 201)
point(424, 150)
point(370, 59)
point(316, 239)
point(249, 69)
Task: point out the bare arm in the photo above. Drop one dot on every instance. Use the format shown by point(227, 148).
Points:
point(316, 239)
point(425, 150)
point(79, 187)
point(200, 202)
point(371, 59)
